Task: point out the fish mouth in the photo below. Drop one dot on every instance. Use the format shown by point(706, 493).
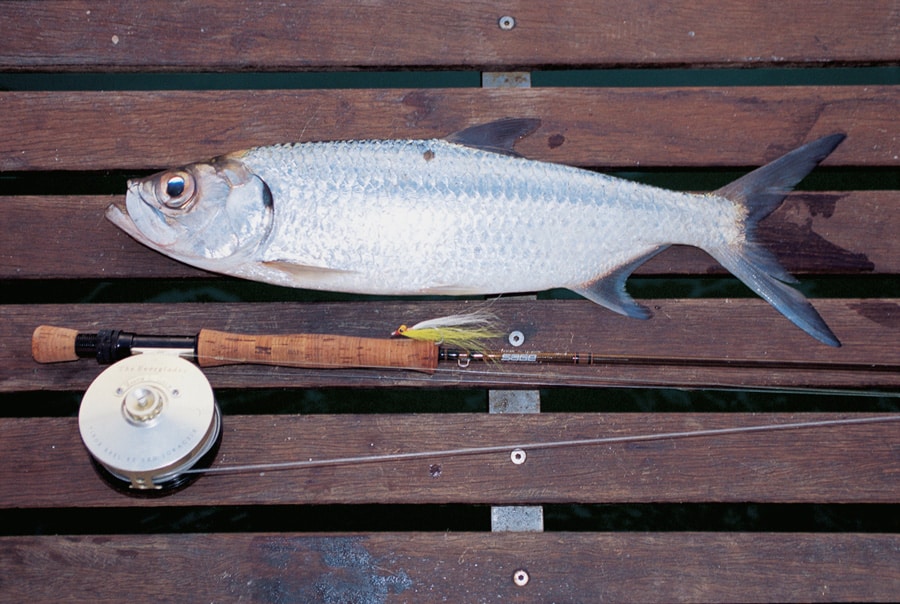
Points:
point(123, 215)
point(121, 219)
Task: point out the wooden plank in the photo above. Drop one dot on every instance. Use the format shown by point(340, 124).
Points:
point(764, 349)
point(455, 567)
point(600, 127)
point(830, 232)
point(834, 464)
point(615, 128)
point(222, 35)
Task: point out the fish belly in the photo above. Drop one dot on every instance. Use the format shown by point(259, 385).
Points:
point(413, 217)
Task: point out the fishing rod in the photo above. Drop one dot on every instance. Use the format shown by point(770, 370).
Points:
point(211, 348)
point(162, 405)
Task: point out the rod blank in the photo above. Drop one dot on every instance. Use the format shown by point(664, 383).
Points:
point(212, 348)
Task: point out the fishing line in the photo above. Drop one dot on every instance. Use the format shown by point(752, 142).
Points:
point(518, 451)
point(151, 425)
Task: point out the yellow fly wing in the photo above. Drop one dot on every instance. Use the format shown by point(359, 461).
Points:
point(467, 331)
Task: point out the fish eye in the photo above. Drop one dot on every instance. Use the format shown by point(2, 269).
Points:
point(175, 186)
point(176, 190)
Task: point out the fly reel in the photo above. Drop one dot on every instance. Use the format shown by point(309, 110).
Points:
point(146, 420)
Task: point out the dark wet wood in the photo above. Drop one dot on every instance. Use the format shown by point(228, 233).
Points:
point(830, 232)
point(600, 127)
point(220, 35)
point(458, 567)
point(734, 342)
point(837, 464)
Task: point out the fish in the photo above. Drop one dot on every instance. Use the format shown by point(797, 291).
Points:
point(460, 215)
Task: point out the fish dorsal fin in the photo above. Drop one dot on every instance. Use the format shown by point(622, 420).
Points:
point(609, 290)
point(498, 136)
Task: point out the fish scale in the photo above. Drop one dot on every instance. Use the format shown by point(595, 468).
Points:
point(461, 215)
point(415, 224)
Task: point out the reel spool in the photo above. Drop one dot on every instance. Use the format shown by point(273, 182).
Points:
point(148, 418)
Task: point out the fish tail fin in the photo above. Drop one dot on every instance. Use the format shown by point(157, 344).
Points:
point(760, 192)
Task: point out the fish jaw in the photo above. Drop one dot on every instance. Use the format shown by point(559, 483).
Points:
point(122, 220)
point(145, 217)
point(150, 217)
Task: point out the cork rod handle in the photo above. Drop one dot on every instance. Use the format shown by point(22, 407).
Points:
point(213, 348)
point(314, 351)
point(53, 344)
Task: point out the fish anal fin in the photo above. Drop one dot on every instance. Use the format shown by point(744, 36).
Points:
point(498, 136)
point(609, 290)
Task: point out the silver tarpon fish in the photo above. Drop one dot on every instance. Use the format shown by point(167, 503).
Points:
point(459, 215)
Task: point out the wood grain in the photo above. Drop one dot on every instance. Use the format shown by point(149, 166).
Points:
point(219, 35)
point(47, 468)
point(597, 127)
point(765, 351)
point(457, 567)
point(838, 464)
point(846, 232)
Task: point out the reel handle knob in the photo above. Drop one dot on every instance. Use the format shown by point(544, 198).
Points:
point(53, 344)
point(314, 351)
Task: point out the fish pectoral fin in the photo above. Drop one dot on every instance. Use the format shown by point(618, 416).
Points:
point(609, 290)
point(449, 290)
point(498, 136)
point(303, 270)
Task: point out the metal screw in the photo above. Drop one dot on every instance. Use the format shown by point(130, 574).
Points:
point(520, 577)
point(517, 456)
point(516, 338)
point(506, 23)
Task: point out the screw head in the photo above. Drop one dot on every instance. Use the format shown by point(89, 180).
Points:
point(506, 22)
point(520, 577)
